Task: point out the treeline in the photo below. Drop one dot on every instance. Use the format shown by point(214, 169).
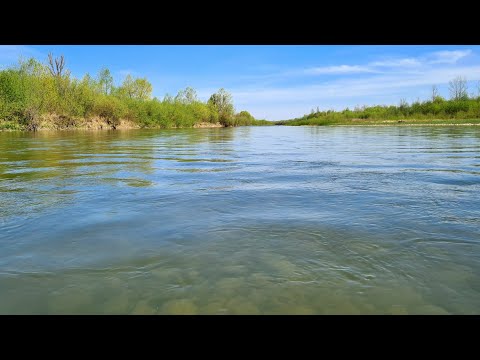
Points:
point(459, 106)
point(31, 90)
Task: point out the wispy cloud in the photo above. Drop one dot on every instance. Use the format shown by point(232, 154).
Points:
point(448, 57)
point(339, 69)
point(389, 65)
point(358, 87)
point(438, 57)
point(406, 62)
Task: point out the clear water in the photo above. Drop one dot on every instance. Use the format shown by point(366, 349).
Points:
point(253, 220)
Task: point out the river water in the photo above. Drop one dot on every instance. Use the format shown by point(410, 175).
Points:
point(250, 220)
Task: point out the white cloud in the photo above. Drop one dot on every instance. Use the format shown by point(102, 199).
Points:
point(339, 69)
point(406, 65)
point(448, 56)
point(407, 62)
point(438, 57)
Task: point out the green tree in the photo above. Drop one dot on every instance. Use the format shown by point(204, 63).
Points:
point(245, 114)
point(187, 96)
point(32, 67)
point(222, 102)
point(105, 80)
point(243, 118)
point(168, 98)
point(139, 88)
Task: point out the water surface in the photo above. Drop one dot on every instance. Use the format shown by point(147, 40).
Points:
point(251, 220)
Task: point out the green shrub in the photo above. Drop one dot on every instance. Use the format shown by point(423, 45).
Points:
point(109, 108)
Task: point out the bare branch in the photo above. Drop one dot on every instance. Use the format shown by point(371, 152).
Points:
point(50, 63)
point(56, 67)
point(458, 88)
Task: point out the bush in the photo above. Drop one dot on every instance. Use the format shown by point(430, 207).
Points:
point(109, 108)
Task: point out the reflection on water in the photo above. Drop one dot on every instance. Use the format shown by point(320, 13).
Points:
point(277, 220)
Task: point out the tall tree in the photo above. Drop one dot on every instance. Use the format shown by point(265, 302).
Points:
point(105, 79)
point(143, 89)
point(222, 102)
point(32, 67)
point(434, 92)
point(458, 88)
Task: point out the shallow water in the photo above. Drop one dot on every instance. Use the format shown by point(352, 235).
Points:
point(252, 220)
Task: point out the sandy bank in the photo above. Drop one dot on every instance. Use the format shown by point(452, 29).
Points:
point(60, 122)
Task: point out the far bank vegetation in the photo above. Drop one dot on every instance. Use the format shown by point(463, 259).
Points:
point(461, 108)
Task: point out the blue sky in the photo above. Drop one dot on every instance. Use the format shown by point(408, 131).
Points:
point(277, 82)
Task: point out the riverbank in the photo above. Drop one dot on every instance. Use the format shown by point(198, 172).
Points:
point(58, 122)
point(98, 124)
point(370, 122)
point(461, 110)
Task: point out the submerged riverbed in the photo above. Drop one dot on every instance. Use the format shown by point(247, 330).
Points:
point(250, 220)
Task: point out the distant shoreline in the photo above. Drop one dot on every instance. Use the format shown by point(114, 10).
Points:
point(405, 125)
point(391, 125)
point(371, 122)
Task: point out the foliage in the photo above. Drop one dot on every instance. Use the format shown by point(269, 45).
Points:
point(105, 81)
point(139, 89)
point(222, 103)
point(459, 107)
point(32, 89)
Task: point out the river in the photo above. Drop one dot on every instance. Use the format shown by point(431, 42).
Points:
point(249, 220)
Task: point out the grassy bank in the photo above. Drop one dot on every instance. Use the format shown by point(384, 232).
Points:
point(460, 109)
point(36, 96)
point(380, 122)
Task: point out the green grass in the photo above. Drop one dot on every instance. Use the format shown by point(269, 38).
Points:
point(379, 122)
point(459, 110)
